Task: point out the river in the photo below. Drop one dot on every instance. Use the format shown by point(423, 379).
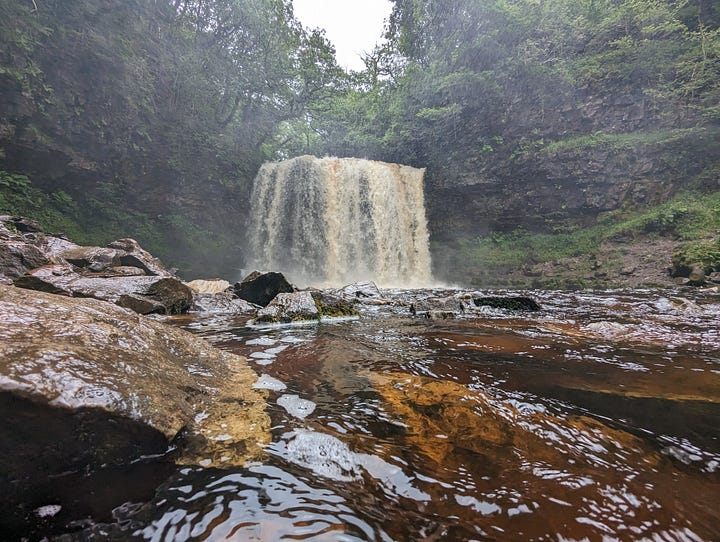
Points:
point(595, 418)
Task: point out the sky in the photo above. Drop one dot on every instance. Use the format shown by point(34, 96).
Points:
point(353, 26)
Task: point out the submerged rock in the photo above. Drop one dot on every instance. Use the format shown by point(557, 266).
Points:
point(84, 383)
point(261, 288)
point(289, 307)
point(441, 415)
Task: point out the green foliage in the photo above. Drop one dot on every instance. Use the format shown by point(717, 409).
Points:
point(690, 217)
point(619, 142)
point(706, 254)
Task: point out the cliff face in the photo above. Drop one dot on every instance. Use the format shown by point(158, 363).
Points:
point(584, 162)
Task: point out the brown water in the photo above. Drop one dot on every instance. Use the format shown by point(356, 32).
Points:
point(597, 418)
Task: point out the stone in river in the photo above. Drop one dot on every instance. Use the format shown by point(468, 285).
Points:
point(261, 288)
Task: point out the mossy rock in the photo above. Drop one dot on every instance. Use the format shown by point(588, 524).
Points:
point(333, 306)
point(705, 254)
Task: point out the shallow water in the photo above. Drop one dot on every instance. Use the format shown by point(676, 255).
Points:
point(597, 418)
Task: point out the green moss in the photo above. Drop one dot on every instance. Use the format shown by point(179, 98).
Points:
point(703, 253)
point(332, 306)
point(691, 218)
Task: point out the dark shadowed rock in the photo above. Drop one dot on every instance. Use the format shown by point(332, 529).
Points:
point(18, 257)
point(20, 224)
point(85, 383)
point(261, 288)
point(513, 303)
point(289, 307)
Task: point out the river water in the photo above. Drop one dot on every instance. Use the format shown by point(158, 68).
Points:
point(596, 418)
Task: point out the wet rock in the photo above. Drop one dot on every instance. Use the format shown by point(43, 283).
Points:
point(17, 253)
point(221, 303)
point(261, 288)
point(87, 383)
point(214, 286)
point(441, 415)
point(333, 306)
point(124, 271)
point(174, 296)
point(130, 253)
point(513, 303)
point(436, 307)
point(696, 276)
point(92, 258)
point(18, 257)
point(143, 294)
point(122, 253)
point(360, 291)
point(53, 279)
point(20, 224)
point(289, 307)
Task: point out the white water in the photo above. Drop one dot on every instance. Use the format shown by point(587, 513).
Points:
point(333, 221)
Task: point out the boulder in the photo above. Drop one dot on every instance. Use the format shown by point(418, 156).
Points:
point(84, 383)
point(222, 303)
point(214, 286)
point(143, 294)
point(261, 288)
point(696, 276)
point(289, 307)
point(17, 257)
point(120, 253)
point(333, 306)
point(92, 258)
point(360, 291)
point(513, 303)
point(130, 253)
point(436, 307)
point(17, 253)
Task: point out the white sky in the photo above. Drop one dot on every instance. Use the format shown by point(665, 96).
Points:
point(353, 26)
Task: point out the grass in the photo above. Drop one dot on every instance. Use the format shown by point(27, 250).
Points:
point(696, 137)
point(690, 217)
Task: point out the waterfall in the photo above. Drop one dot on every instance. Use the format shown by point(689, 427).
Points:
point(333, 221)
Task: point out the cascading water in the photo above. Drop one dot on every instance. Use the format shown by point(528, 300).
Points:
point(333, 221)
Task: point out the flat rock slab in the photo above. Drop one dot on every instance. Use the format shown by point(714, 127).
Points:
point(143, 294)
point(84, 359)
